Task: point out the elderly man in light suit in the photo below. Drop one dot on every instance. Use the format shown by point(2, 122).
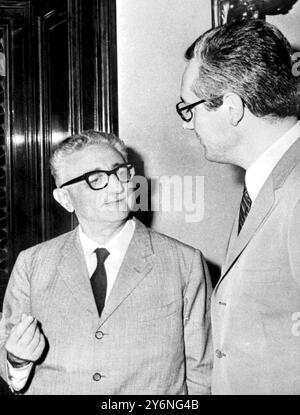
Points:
point(110, 307)
point(241, 98)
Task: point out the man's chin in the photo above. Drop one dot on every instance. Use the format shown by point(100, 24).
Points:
point(208, 155)
point(115, 216)
point(213, 158)
point(205, 150)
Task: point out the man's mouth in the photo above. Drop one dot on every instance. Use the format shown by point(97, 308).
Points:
point(115, 201)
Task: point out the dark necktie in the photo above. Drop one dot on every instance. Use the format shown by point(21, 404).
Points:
point(99, 279)
point(244, 208)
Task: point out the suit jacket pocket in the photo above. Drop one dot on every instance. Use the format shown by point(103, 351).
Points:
point(159, 312)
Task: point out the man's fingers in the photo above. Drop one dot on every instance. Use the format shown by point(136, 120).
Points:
point(31, 351)
point(19, 329)
point(26, 341)
point(40, 347)
point(29, 333)
point(35, 340)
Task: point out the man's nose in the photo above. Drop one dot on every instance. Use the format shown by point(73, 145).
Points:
point(115, 184)
point(188, 125)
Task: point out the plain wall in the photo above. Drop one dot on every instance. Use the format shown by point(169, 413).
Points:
point(152, 38)
point(289, 24)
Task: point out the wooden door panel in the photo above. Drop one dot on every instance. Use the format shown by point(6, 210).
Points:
point(17, 164)
point(54, 105)
point(61, 78)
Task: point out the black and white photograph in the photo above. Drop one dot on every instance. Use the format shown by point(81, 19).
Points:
point(149, 200)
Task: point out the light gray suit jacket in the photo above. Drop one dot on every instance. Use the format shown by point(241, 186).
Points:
point(256, 304)
point(154, 333)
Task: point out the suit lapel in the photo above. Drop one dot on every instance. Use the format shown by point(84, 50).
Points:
point(259, 211)
point(136, 265)
point(261, 208)
point(231, 242)
point(73, 270)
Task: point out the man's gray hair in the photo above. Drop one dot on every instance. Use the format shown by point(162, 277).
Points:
point(80, 141)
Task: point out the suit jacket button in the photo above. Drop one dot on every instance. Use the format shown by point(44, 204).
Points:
point(222, 303)
point(99, 335)
point(219, 354)
point(96, 377)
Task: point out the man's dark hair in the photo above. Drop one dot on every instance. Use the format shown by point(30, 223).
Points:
point(251, 58)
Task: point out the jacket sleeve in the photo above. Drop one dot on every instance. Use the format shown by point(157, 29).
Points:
point(16, 302)
point(197, 328)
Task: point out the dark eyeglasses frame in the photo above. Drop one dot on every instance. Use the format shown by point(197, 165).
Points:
point(86, 176)
point(188, 108)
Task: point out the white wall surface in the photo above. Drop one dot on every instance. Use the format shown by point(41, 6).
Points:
point(152, 38)
point(289, 24)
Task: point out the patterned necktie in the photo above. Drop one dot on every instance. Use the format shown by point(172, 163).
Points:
point(244, 208)
point(99, 279)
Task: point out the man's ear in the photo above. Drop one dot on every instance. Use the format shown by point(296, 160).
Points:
point(63, 198)
point(235, 108)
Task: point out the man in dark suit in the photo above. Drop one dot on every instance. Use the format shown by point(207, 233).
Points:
point(240, 97)
point(123, 309)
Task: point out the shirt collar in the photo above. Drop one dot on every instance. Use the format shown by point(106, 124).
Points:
point(258, 172)
point(117, 246)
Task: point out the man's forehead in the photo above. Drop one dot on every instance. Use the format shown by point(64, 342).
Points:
point(189, 76)
point(99, 152)
point(99, 156)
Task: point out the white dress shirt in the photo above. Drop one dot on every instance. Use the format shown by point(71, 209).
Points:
point(259, 171)
point(117, 248)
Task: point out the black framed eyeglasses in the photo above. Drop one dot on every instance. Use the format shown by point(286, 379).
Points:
point(185, 111)
point(98, 179)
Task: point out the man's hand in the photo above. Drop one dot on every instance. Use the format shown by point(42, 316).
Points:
point(25, 343)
